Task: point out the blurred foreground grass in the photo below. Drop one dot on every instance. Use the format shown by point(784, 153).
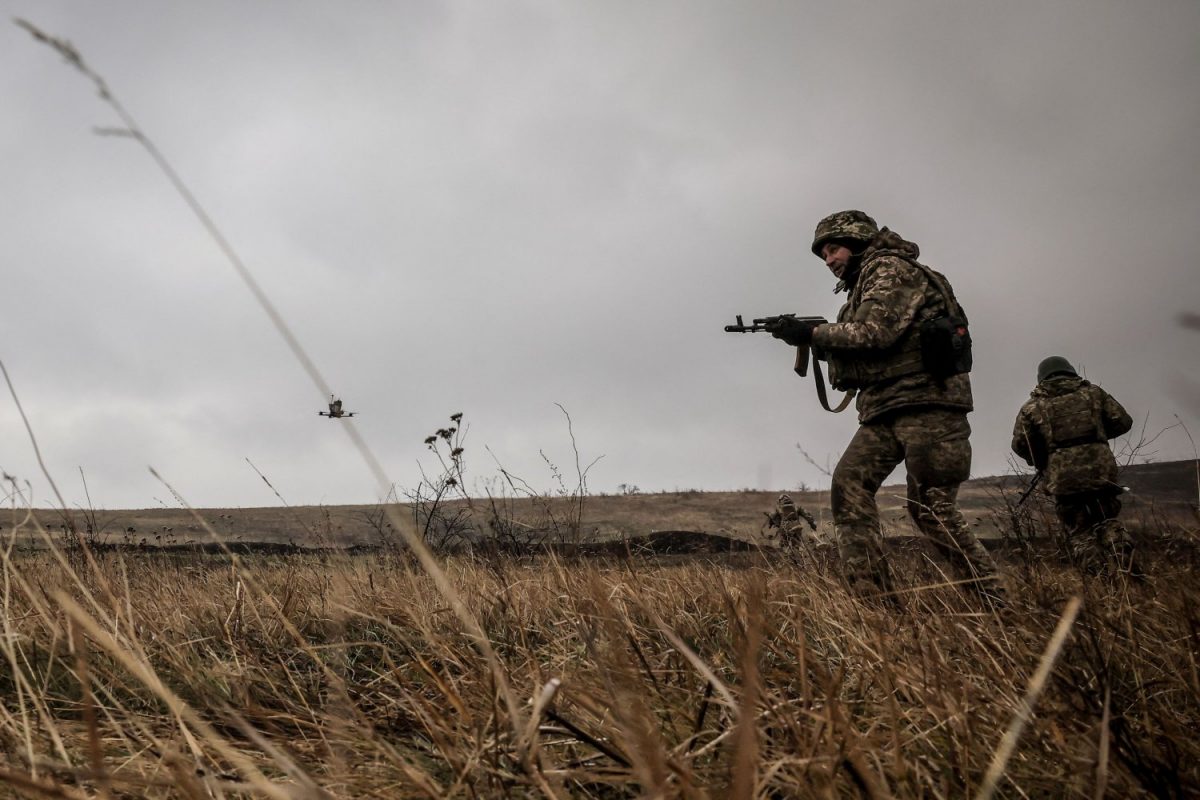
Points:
point(130, 675)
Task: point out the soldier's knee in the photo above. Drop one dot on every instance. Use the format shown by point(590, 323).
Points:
point(839, 482)
point(839, 494)
point(850, 497)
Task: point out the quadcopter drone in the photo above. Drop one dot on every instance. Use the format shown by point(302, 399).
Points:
point(335, 409)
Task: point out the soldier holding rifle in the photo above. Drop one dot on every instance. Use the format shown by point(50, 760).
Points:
point(900, 342)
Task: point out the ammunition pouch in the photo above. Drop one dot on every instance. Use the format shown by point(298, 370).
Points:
point(939, 347)
point(1072, 420)
point(850, 369)
point(945, 346)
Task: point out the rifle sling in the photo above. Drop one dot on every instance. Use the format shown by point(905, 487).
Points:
point(823, 396)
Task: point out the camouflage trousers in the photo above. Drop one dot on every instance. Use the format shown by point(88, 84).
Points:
point(1096, 539)
point(935, 448)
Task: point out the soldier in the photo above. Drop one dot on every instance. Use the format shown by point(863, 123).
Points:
point(785, 522)
point(913, 397)
point(1063, 430)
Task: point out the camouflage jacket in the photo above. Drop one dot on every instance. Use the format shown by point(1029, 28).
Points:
point(890, 297)
point(1063, 430)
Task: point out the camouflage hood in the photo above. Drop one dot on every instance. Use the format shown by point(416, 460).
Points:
point(1057, 386)
point(889, 243)
point(886, 243)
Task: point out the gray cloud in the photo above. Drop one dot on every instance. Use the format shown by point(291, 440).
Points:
point(496, 207)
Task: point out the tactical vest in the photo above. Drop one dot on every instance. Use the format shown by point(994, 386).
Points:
point(1072, 419)
point(937, 342)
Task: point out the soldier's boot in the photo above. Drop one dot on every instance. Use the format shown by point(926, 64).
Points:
point(1114, 540)
point(1088, 551)
point(864, 566)
point(941, 520)
point(992, 590)
point(1087, 557)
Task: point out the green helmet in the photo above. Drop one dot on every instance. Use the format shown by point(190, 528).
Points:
point(1055, 365)
point(853, 225)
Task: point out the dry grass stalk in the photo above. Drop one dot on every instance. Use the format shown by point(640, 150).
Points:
point(132, 129)
point(1037, 683)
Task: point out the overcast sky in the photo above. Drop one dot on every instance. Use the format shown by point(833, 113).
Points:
point(496, 207)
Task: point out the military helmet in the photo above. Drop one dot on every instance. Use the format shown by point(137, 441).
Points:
point(1055, 365)
point(854, 225)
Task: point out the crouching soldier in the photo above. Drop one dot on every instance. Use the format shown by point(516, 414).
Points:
point(786, 523)
point(1063, 430)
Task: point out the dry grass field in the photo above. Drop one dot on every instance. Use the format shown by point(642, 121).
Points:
point(178, 673)
point(747, 676)
point(1162, 494)
point(155, 654)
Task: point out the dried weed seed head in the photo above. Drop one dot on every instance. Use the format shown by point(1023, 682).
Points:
point(67, 50)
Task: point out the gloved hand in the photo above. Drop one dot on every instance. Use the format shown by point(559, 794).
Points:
point(796, 332)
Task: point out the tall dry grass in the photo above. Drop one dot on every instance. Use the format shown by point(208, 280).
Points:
point(750, 676)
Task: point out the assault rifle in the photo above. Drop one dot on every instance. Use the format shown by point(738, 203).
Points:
point(772, 324)
point(1037, 478)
